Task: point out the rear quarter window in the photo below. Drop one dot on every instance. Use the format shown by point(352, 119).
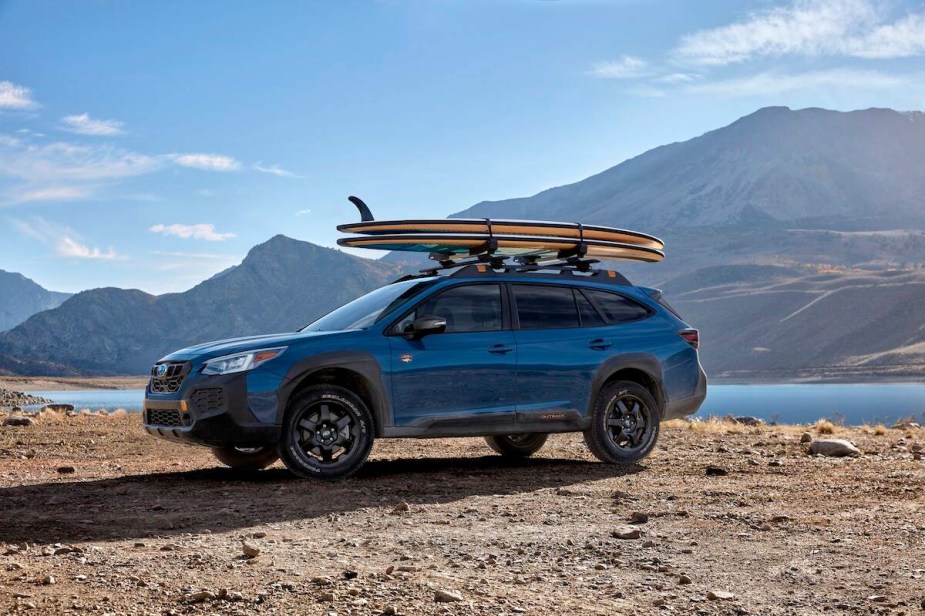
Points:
point(616, 308)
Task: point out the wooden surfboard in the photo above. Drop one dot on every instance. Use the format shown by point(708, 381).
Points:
point(567, 230)
point(507, 244)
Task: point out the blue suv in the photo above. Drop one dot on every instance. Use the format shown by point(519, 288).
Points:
point(508, 352)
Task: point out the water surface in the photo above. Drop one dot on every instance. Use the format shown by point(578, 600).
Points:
point(785, 403)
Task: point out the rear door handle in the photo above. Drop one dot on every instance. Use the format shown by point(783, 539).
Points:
point(500, 349)
point(599, 344)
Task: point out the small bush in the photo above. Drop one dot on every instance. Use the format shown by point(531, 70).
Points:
point(824, 426)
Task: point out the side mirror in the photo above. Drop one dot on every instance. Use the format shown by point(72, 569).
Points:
point(424, 326)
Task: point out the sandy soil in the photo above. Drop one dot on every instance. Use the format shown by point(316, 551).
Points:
point(99, 518)
point(71, 383)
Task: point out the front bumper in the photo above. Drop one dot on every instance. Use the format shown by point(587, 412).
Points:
point(208, 410)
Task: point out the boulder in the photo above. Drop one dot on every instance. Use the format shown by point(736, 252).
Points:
point(834, 447)
point(17, 420)
point(61, 408)
point(747, 420)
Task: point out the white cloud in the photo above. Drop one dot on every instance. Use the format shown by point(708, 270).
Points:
point(66, 241)
point(901, 39)
point(675, 78)
point(13, 96)
point(626, 67)
point(59, 161)
point(275, 170)
point(775, 82)
point(209, 162)
point(83, 124)
point(28, 229)
point(807, 27)
point(205, 232)
point(69, 247)
point(303, 212)
point(54, 193)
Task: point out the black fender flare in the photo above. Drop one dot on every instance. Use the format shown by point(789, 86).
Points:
point(643, 362)
point(361, 363)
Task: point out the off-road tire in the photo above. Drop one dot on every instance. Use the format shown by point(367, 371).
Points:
point(246, 458)
point(310, 434)
point(517, 445)
point(603, 440)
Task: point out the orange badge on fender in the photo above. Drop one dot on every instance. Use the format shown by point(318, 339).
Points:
point(406, 358)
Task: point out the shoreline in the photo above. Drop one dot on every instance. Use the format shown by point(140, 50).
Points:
point(72, 383)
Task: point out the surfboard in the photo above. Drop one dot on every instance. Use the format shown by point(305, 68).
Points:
point(507, 244)
point(568, 230)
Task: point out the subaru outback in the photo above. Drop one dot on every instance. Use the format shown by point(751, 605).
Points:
point(511, 353)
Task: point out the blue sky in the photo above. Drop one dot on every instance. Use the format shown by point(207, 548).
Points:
point(151, 144)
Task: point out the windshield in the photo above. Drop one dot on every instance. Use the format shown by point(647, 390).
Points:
point(370, 308)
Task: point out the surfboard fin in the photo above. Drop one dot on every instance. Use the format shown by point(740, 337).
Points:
point(365, 214)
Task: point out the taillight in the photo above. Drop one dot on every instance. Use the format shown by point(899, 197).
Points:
point(691, 336)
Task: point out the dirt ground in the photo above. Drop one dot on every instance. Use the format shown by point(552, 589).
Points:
point(97, 517)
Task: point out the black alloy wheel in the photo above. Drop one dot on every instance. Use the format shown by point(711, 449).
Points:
point(625, 423)
point(327, 433)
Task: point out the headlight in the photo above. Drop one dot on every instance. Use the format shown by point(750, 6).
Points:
point(240, 362)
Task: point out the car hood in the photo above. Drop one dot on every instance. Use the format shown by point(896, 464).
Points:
point(218, 348)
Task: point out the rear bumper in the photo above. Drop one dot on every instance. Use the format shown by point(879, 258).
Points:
point(682, 407)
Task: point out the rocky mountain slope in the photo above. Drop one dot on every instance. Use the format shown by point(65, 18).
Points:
point(812, 168)
point(770, 323)
point(20, 298)
point(280, 286)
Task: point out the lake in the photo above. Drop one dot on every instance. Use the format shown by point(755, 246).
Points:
point(785, 403)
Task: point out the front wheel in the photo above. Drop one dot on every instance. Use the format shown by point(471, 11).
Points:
point(327, 433)
point(517, 445)
point(246, 458)
point(624, 423)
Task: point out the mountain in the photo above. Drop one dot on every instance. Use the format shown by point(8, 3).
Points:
point(21, 297)
point(281, 285)
point(771, 323)
point(778, 186)
point(811, 168)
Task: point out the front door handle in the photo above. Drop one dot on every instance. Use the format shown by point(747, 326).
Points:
point(500, 349)
point(599, 344)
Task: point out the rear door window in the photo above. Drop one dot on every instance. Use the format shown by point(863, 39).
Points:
point(545, 307)
point(616, 308)
point(588, 313)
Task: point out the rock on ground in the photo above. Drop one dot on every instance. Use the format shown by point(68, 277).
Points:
point(834, 447)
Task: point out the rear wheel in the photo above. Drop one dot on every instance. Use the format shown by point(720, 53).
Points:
point(624, 423)
point(246, 458)
point(517, 445)
point(327, 433)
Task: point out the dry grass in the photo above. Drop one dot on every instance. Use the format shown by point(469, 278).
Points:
point(824, 426)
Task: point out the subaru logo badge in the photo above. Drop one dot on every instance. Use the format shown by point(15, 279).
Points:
point(161, 370)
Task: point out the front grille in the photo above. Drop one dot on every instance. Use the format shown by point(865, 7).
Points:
point(209, 399)
point(170, 382)
point(163, 417)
